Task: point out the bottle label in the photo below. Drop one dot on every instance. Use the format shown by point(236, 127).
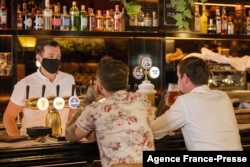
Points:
point(28, 22)
point(38, 23)
point(47, 13)
point(3, 17)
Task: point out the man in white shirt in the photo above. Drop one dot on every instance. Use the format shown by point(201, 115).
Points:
point(48, 55)
point(206, 117)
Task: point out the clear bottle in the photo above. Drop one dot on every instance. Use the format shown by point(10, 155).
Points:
point(99, 21)
point(123, 19)
point(155, 22)
point(74, 17)
point(117, 19)
point(38, 20)
point(224, 21)
point(203, 20)
point(140, 18)
point(83, 19)
point(230, 25)
point(3, 15)
point(197, 19)
point(108, 22)
point(211, 28)
point(248, 23)
point(27, 18)
point(47, 16)
point(56, 18)
point(147, 20)
point(65, 18)
point(218, 21)
point(91, 20)
point(53, 121)
point(19, 19)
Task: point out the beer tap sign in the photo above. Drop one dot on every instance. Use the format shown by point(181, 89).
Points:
point(146, 69)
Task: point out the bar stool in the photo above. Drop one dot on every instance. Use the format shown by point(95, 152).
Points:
point(127, 165)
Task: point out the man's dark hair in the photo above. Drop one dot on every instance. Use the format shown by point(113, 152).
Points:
point(113, 74)
point(40, 46)
point(196, 69)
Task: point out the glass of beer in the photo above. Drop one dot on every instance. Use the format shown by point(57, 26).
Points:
point(172, 92)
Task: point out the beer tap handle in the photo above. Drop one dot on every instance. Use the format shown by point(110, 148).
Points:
point(73, 89)
point(57, 90)
point(43, 90)
point(27, 91)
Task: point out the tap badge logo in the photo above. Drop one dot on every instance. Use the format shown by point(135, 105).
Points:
point(58, 103)
point(74, 102)
point(42, 103)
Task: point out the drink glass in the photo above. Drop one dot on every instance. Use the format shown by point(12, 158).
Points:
point(172, 92)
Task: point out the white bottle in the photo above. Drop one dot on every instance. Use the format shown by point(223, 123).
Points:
point(47, 16)
point(154, 20)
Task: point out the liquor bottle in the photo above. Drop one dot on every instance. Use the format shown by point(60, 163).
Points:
point(38, 20)
point(218, 21)
point(224, 21)
point(203, 20)
point(230, 25)
point(74, 17)
point(91, 20)
point(140, 18)
point(197, 19)
point(27, 18)
point(65, 18)
point(117, 19)
point(147, 20)
point(47, 16)
point(56, 19)
point(3, 15)
point(99, 21)
point(248, 23)
point(108, 22)
point(211, 28)
point(19, 24)
point(155, 22)
point(53, 121)
point(123, 19)
point(83, 19)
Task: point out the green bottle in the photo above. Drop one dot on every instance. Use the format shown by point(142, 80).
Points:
point(74, 17)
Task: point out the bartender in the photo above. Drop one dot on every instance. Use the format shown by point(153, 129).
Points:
point(48, 56)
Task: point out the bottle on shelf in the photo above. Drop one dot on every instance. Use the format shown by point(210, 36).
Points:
point(203, 20)
point(230, 25)
point(19, 19)
point(91, 20)
point(38, 20)
point(218, 20)
point(47, 16)
point(239, 19)
point(65, 20)
point(27, 18)
point(197, 18)
point(3, 15)
point(56, 19)
point(248, 23)
point(224, 23)
point(117, 19)
point(83, 19)
point(211, 28)
point(147, 20)
point(108, 22)
point(140, 18)
point(155, 22)
point(123, 19)
point(74, 17)
point(99, 21)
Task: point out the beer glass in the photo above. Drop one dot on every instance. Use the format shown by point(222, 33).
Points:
point(172, 92)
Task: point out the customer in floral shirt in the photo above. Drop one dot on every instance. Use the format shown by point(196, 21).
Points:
point(121, 122)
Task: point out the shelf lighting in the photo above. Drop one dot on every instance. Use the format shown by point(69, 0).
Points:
point(27, 42)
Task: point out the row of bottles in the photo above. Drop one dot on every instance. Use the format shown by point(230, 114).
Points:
point(216, 21)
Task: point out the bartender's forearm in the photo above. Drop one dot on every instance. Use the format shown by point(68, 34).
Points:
point(11, 128)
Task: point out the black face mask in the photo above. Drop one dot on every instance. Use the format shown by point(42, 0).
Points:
point(51, 65)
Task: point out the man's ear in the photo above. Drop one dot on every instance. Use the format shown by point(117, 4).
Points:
point(186, 78)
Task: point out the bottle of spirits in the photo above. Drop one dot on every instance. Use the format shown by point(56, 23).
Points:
point(56, 19)
point(147, 20)
point(91, 20)
point(230, 25)
point(123, 19)
point(197, 18)
point(47, 16)
point(248, 23)
point(3, 15)
point(155, 22)
point(65, 18)
point(211, 28)
point(203, 20)
point(38, 20)
point(27, 18)
point(218, 20)
point(99, 21)
point(117, 19)
point(224, 21)
point(19, 24)
point(108, 22)
point(74, 17)
point(83, 19)
point(140, 18)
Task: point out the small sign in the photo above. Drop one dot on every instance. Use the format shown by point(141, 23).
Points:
point(58, 103)
point(168, 14)
point(154, 72)
point(138, 72)
point(74, 102)
point(42, 103)
point(146, 63)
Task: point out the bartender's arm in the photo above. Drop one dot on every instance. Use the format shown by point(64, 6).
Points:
point(9, 118)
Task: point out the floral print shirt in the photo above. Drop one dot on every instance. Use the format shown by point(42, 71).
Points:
point(122, 125)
